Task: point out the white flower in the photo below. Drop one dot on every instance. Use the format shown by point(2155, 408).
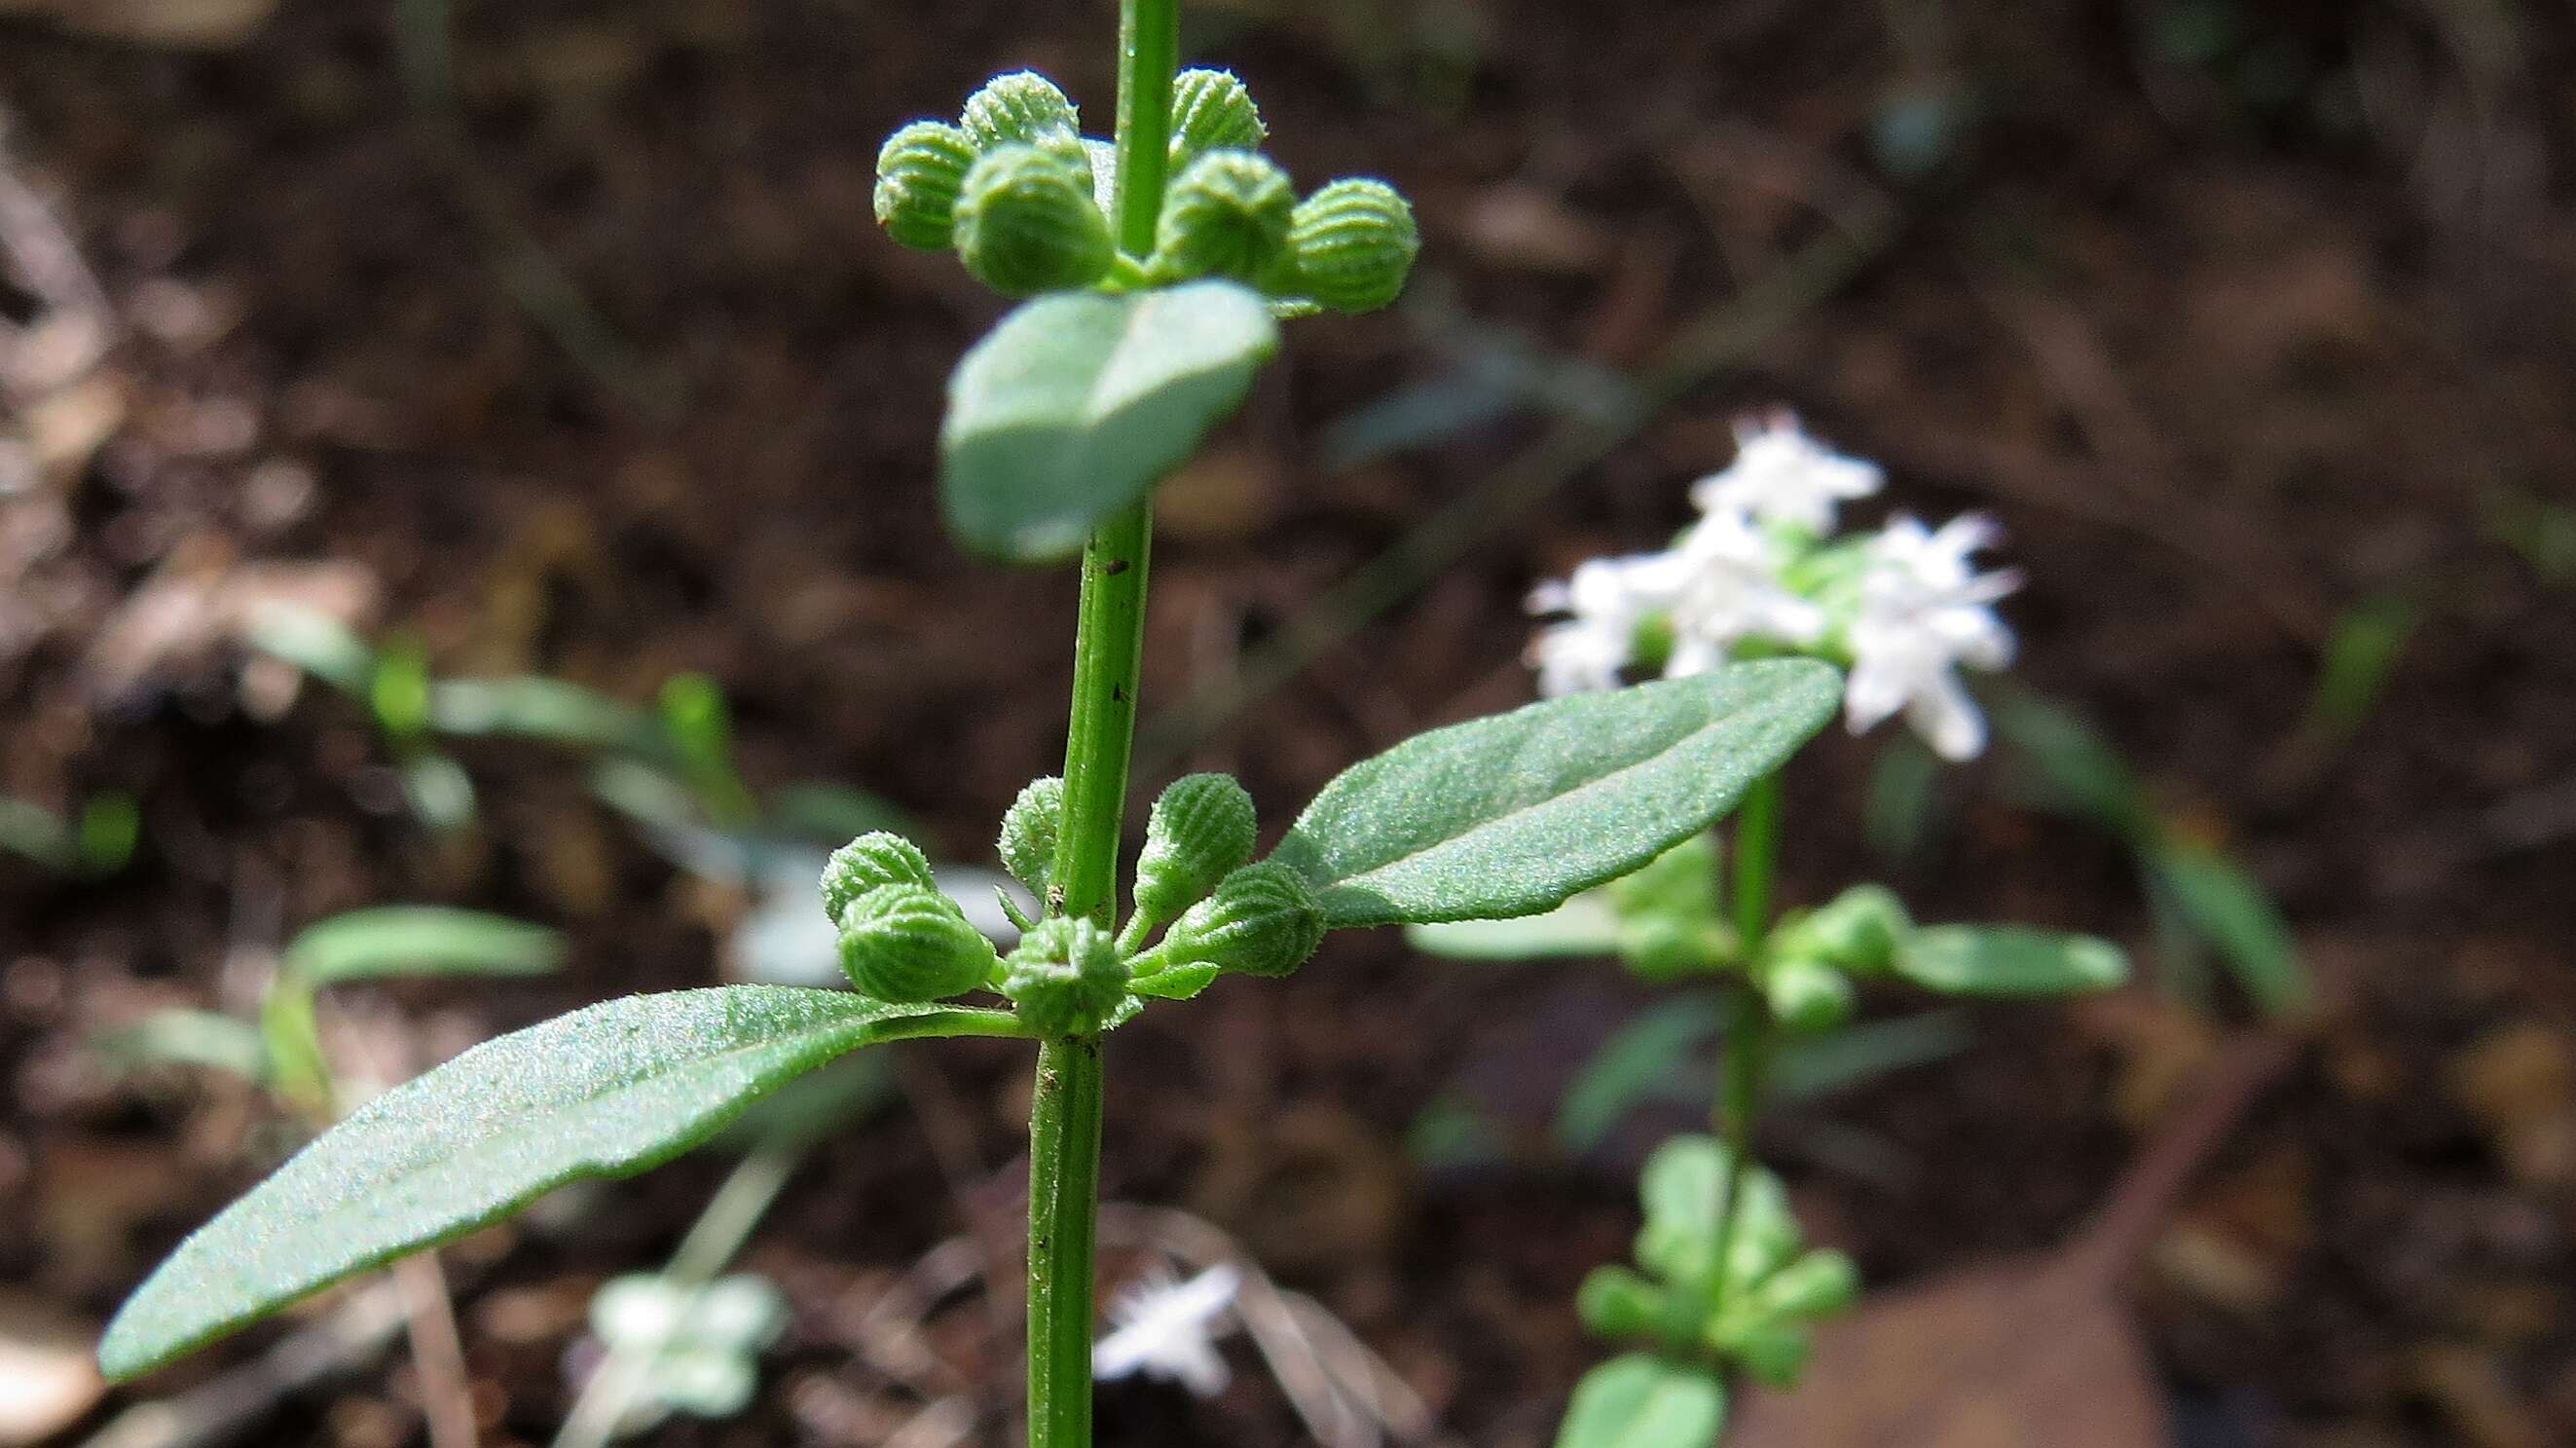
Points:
point(1609, 599)
point(1730, 591)
point(1163, 1330)
point(1784, 478)
point(1924, 610)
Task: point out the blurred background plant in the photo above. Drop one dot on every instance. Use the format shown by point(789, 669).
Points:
point(2261, 365)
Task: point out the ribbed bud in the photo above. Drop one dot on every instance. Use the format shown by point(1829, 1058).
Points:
point(1262, 920)
point(1615, 1302)
point(873, 859)
point(1066, 977)
point(1354, 241)
point(1211, 111)
point(1029, 832)
point(1227, 215)
point(1201, 828)
point(1858, 930)
point(919, 173)
point(905, 942)
point(1807, 994)
point(1026, 223)
point(1021, 106)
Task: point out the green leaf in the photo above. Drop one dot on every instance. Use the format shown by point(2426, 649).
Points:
point(1634, 1066)
point(315, 642)
point(420, 940)
point(1081, 401)
point(1818, 1066)
point(1638, 1400)
point(1584, 925)
point(535, 707)
point(187, 1038)
point(1511, 814)
point(2231, 910)
point(2008, 960)
point(606, 1091)
point(2079, 768)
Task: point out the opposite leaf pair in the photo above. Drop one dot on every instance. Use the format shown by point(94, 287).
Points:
point(1695, 1314)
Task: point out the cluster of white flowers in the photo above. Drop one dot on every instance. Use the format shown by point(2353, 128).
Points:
point(1904, 607)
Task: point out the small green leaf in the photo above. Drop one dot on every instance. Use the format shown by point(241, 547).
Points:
point(395, 940)
point(187, 1038)
point(2080, 770)
point(535, 707)
point(1584, 925)
point(2230, 909)
point(1511, 814)
point(2008, 960)
point(606, 1091)
point(1638, 1400)
point(1633, 1066)
point(315, 642)
point(1080, 401)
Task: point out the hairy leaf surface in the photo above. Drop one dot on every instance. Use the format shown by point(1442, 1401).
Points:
point(1509, 815)
point(605, 1091)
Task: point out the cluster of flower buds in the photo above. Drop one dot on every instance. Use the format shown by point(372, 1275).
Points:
point(1754, 1309)
point(1025, 200)
point(902, 940)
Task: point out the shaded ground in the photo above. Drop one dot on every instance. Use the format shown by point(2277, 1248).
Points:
point(597, 366)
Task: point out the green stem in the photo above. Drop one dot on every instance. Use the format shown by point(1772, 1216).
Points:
point(1064, 1206)
point(1064, 1116)
point(1749, 1027)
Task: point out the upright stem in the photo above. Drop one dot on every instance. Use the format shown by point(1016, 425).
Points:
point(1064, 1116)
point(1747, 1063)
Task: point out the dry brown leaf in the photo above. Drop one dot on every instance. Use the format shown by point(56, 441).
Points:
point(2520, 1084)
point(2029, 1354)
point(208, 23)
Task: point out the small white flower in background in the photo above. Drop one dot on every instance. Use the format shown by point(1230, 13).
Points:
point(1783, 478)
point(1730, 591)
point(1924, 610)
point(1167, 1329)
point(1905, 606)
point(1609, 600)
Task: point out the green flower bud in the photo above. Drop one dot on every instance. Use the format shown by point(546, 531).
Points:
point(1029, 834)
point(1066, 977)
point(1262, 920)
point(1026, 223)
point(1201, 828)
point(1211, 111)
point(1807, 994)
point(905, 942)
point(1021, 106)
point(873, 859)
point(919, 173)
point(1226, 215)
point(1615, 1302)
point(1354, 241)
point(1859, 930)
